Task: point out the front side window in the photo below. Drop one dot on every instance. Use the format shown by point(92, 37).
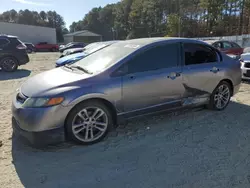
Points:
point(199, 54)
point(165, 56)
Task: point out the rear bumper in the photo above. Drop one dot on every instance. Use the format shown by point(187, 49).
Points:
point(39, 139)
point(23, 60)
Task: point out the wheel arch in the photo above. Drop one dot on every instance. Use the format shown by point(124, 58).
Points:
point(230, 83)
point(107, 103)
point(6, 56)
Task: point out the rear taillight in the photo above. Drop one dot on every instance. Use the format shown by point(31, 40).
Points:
point(21, 47)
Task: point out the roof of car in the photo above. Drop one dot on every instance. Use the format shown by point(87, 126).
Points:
point(146, 41)
point(210, 41)
point(213, 41)
point(7, 36)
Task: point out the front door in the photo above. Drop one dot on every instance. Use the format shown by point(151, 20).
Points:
point(154, 79)
point(202, 70)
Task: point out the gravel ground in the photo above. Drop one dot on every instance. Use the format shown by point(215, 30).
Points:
point(195, 148)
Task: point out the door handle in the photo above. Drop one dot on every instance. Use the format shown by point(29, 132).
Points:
point(131, 77)
point(173, 75)
point(214, 70)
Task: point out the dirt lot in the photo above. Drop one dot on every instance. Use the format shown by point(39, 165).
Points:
point(196, 148)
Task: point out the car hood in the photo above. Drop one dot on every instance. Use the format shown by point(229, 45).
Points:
point(245, 57)
point(52, 82)
point(75, 50)
point(70, 58)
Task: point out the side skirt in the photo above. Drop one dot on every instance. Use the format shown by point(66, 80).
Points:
point(190, 102)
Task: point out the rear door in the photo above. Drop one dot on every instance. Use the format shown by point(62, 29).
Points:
point(202, 69)
point(153, 79)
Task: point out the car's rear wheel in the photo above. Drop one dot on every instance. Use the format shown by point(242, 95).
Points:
point(9, 64)
point(89, 122)
point(220, 97)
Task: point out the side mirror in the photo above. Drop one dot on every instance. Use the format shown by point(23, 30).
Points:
point(121, 71)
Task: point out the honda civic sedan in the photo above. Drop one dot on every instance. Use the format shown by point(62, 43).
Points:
point(82, 102)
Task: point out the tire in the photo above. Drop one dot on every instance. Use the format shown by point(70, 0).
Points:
point(53, 50)
point(9, 64)
point(217, 95)
point(78, 133)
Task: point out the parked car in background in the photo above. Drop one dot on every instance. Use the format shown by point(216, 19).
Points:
point(228, 47)
point(245, 65)
point(72, 51)
point(89, 49)
point(30, 47)
point(44, 46)
point(72, 45)
point(78, 50)
point(12, 53)
point(85, 100)
point(246, 50)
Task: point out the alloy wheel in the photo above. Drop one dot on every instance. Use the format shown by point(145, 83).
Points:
point(8, 64)
point(90, 124)
point(222, 96)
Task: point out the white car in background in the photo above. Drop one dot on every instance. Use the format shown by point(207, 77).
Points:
point(245, 65)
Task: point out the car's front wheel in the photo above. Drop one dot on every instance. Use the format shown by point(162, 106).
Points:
point(9, 64)
point(220, 97)
point(89, 122)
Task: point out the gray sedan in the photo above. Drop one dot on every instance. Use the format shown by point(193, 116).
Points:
point(84, 101)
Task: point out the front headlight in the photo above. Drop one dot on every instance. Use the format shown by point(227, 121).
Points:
point(42, 102)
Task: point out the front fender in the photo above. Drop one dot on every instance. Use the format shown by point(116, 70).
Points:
point(75, 101)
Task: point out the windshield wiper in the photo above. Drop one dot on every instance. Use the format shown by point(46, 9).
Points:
point(82, 69)
point(69, 67)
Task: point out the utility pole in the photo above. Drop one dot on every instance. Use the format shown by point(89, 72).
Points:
point(113, 32)
point(179, 20)
point(241, 28)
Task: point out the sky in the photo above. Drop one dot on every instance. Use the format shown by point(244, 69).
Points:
point(71, 10)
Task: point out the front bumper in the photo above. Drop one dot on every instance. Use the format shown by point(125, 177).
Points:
point(39, 139)
point(245, 73)
point(39, 124)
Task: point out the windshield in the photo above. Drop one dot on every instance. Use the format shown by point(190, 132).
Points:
point(106, 57)
point(94, 47)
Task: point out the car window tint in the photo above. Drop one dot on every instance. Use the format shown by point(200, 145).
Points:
point(235, 45)
point(198, 54)
point(227, 45)
point(217, 45)
point(160, 57)
point(3, 42)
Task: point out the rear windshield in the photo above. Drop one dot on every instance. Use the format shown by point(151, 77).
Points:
point(106, 57)
point(235, 45)
point(15, 41)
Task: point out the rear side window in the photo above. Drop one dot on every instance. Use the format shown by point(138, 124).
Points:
point(199, 54)
point(235, 45)
point(4, 42)
point(160, 57)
